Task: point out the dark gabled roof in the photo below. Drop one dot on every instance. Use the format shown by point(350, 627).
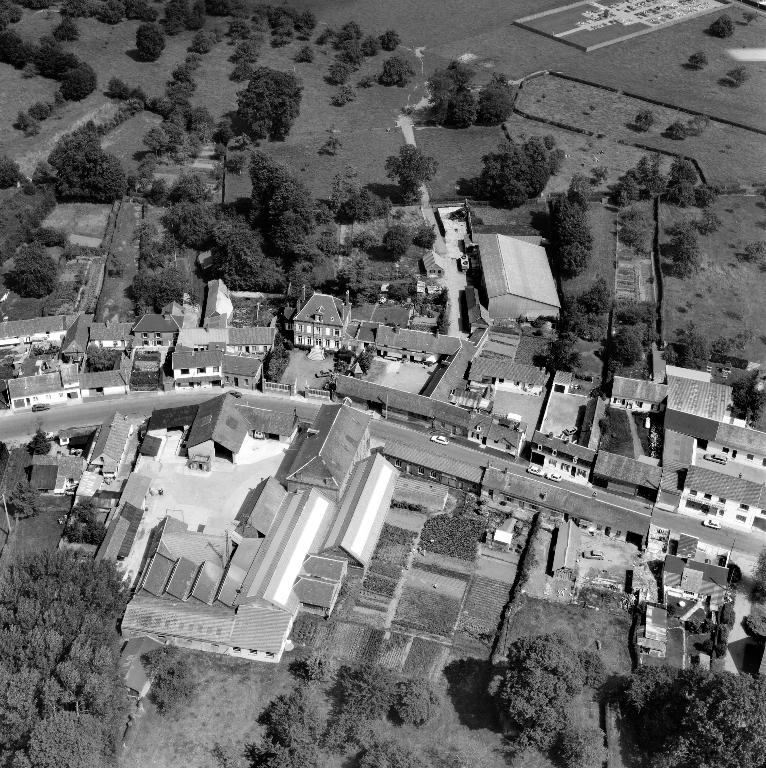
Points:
point(637, 389)
point(43, 476)
point(689, 424)
point(677, 456)
point(565, 552)
point(201, 359)
point(241, 365)
point(742, 438)
point(271, 422)
point(326, 454)
point(570, 449)
point(151, 446)
point(260, 508)
point(76, 339)
point(391, 314)
point(221, 421)
point(483, 367)
point(421, 342)
point(109, 331)
point(134, 676)
point(14, 329)
point(154, 323)
point(626, 470)
point(173, 418)
point(120, 534)
point(316, 592)
point(101, 379)
point(426, 407)
point(330, 308)
point(687, 546)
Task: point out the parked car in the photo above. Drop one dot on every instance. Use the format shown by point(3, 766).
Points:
point(553, 476)
point(716, 458)
point(40, 407)
point(533, 469)
point(710, 522)
point(439, 439)
point(594, 554)
point(465, 264)
point(235, 394)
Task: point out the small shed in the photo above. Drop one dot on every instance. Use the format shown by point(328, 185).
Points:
point(503, 536)
point(132, 669)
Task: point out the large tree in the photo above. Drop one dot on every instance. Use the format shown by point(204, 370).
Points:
point(34, 272)
point(693, 719)
point(410, 168)
point(749, 397)
point(542, 679)
point(190, 223)
point(444, 86)
point(150, 42)
point(495, 102)
point(270, 103)
point(83, 170)
point(153, 290)
point(239, 260)
point(572, 239)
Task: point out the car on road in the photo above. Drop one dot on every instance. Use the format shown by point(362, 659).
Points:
point(40, 407)
point(710, 522)
point(465, 264)
point(594, 554)
point(533, 469)
point(235, 394)
point(439, 439)
point(553, 476)
point(716, 458)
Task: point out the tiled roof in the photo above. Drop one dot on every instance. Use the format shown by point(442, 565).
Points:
point(565, 553)
point(131, 668)
point(391, 314)
point(328, 568)
point(76, 339)
point(260, 508)
point(699, 398)
point(202, 359)
point(255, 627)
point(110, 331)
point(429, 261)
point(416, 341)
point(330, 308)
point(15, 329)
point(677, 456)
point(427, 407)
point(627, 470)
point(581, 452)
point(476, 313)
point(136, 489)
point(101, 379)
point(254, 335)
point(705, 480)
point(121, 534)
point(219, 420)
point(450, 375)
point(742, 438)
point(515, 267)
point(27, 386)
point(151, 446)
point(363, 509)
point(316, 591)
point(329, 446)
point(43, 476)
point(483, 367)
point(241, 365)
point(154, 323)
point(563, 377)
point(198, 337)
point(173, 418)
point(111, 442)
point(637, 389)
point(269, 421)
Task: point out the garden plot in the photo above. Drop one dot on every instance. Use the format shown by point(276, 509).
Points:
point(425, 658)
point(452, 536)
point(84, 223)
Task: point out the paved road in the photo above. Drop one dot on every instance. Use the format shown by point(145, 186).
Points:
point(20, 426)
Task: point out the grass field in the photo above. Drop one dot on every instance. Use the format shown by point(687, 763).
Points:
point(580, 626)
point(727, 155)
point(458, 153)
point(86, 219)
point(726, 296)
point(125, 141)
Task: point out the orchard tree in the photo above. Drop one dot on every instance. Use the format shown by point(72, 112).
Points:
point(389, 40)
point(723, 26)
point(738, 76)
point(697, 60)
point(34, 272)
point(150, 42)
point(644, 120)
point(78, 83)
point(397, 239)
point(84, 171)
point(416, 701)
point(10, 173)
point(24, 501)
point(410, 169)
point(396, 71)
point(495, 103)
point(685, 250)
point(270, 103)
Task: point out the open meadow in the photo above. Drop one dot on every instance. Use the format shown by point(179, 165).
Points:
point(727, 155)
point(727, 295)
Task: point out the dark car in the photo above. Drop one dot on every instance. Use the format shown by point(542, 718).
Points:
point(40, 407)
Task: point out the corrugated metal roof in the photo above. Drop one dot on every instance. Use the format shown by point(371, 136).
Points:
point(260, 508)
point(43, 477)
point(252, 335)
point(328, 568)
point(513, 266)
point(316, 592)
point(181, 581)
point(699, 398)
point(565, 553)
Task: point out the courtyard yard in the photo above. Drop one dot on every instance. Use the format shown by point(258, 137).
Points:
point(400, 375)
point(85, 223)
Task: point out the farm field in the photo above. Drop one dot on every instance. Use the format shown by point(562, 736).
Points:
point(725, 296)
point(85, 223)
point(727, 155)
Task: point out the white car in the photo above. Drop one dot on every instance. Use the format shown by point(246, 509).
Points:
point(440, 439)
point(553, 476)
point(533, 469)
point(709, 522)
